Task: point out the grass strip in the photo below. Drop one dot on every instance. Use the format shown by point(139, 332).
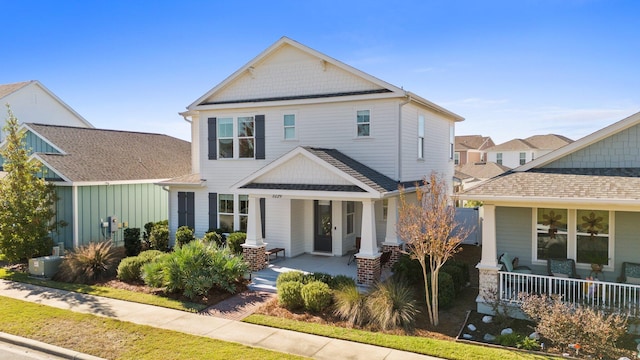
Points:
point(114, 339)
point(105, 291)
point(421, 345)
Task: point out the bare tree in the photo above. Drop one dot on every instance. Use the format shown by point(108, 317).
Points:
point(431, 233)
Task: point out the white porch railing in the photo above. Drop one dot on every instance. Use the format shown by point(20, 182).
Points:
point(606, 296)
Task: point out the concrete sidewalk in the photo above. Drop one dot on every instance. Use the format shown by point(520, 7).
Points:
point(313, 346)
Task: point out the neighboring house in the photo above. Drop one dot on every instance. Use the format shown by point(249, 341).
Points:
point(472, 174)
point(580, 202)
point(471, 149)
point(31, 102)
point(518, 152)
point(105, 178)
point(306, 153)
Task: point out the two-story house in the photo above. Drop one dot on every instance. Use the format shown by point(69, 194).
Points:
point(306, 153)
point(471, 149)
point(517, 152)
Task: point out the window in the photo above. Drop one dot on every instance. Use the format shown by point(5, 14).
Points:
point(420, 137)
point(363, 123)
point(225, 212)
point(583, 235)
point(289, 127)
point(351, 210)
point(456, 158)
point(246, 139)
point(523, 158)
point(385, 209)
point(551, 233)
point(499, 158)
point(592, 237)
point(225, 138)
point(452, 137)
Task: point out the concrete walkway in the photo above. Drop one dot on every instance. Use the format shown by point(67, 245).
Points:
point(313, 346)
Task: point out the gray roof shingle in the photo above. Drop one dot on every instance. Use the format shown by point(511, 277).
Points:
point(113, 155)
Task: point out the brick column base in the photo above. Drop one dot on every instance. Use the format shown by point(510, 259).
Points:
point(368, 269)
point(396, 251)
point(255, 256)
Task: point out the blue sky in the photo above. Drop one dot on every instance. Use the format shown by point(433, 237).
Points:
point(511, 68)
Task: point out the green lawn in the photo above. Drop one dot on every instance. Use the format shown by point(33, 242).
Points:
point(421, 345)
point(113, 339)
point(104, 291)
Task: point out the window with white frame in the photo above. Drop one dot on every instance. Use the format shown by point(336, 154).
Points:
point(420, 137)
point(523, 158)
point(499, 158)
point(225, 138)
point(452, 139)
point(351, 214)
point(584, 235)
point(385, 209)
point(363, 123)
point(244, 211)
point(225, 212)
point(456, 158)
point(246, 140)
point(289, 126)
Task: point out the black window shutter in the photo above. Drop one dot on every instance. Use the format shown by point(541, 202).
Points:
point(262, 216)
point(213, 211)
point(182, 211)
point(190, 211)
point(212, 129)
point(260, 152)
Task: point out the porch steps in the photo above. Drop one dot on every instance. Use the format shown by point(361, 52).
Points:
point(264, 280)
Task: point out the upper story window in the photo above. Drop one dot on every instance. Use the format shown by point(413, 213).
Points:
point(225, 138)
point(246, 141)
point(523, 158)
point(499, 158)
point(420, 137)
point(456, 158)
point(363, 123)
point(452, 137)
point(289, 126)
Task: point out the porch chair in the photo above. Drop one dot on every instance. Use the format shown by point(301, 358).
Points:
point(565, 268)
point(508, 265)
point(352, 253)
point(630, 273)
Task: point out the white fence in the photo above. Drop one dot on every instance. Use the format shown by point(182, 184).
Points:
point(606, 296)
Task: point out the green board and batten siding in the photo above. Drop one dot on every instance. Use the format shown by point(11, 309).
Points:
point(36, 144)
point(134, 204)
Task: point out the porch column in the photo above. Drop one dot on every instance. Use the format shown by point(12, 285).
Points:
point(488, 266)
point(391, 241)
point(254, 246)
point(368, 258)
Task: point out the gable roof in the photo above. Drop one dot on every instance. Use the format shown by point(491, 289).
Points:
point(369, 85)
point(535, 142)
point(91, 154)
point(484, 170)
point(473, 142)
point(533, 183)
point(340, 172)
point(8, 89)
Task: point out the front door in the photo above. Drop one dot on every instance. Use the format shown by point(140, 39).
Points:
point(322, 226)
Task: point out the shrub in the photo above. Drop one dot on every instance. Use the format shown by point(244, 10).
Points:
point(89, 263)
point(564, 324)
point(159, 238)
point(184, 235)
point(213, 237)
point(463, 266)
point(290, 295)
point(510, 340)
point(446, 290)
point(234, 240)
point(146, 236)
point(339, 281)
point(132, 243)
point(456, 276)
point(298, 276)
point(527, 343)
point(319, 276)
point(194, 269)
point(316, 296)
point(130, 268)
point(349, 305)
point(391, 304)
point(408, 269)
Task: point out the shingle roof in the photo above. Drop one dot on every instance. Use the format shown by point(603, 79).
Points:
point(475, 142)
point(482, 170)
point(549, 141)
point(6, 89)
point(189, 179)
point(112, 155)
point(605, 184)
point(515, 144)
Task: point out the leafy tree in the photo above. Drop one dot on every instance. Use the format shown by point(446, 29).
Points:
point(26, 201)
point(432, 235)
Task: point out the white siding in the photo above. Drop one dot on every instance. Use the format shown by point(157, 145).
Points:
point(302, 170)
point(278, 227)
point(299, 214)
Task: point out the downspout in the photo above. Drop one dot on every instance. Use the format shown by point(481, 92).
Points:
point(408, 97)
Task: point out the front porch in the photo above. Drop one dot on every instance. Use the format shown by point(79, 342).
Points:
point(609, 297)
